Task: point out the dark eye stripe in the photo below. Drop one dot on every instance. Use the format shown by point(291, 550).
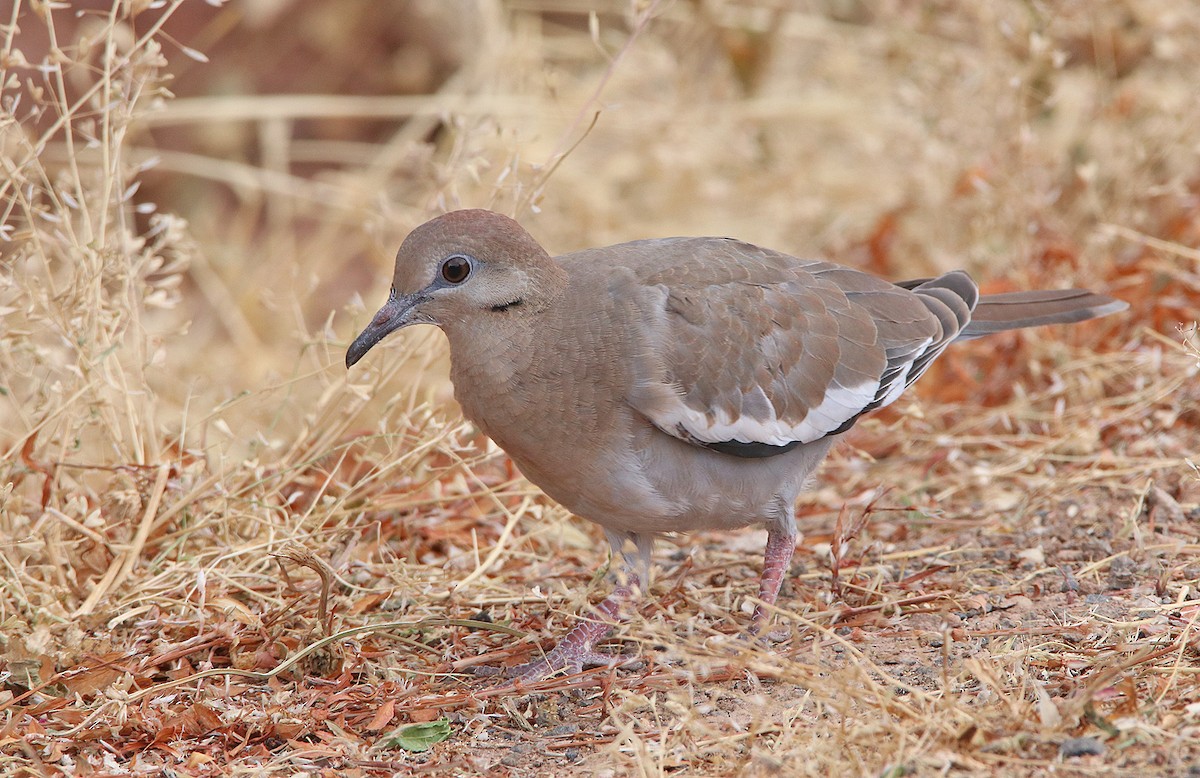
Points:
point(455, 269)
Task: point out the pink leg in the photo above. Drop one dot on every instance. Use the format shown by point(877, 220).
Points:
point(577, 648)
point(781, 544)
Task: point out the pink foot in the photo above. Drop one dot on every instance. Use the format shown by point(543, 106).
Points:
point(781, 545)
point(578, 648)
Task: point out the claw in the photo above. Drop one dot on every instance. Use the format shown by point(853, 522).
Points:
point(577, 649)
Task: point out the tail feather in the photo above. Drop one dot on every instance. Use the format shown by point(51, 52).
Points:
point(1014, 310)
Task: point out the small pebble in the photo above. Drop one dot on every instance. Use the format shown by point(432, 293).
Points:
point(1080, 746)
point(1121, 573)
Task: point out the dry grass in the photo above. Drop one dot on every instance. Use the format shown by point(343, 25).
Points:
point(222, 554)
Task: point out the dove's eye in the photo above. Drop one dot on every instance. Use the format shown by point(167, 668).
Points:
point(455, 269)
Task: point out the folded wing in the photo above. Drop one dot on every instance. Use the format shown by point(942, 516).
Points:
point(752, 353)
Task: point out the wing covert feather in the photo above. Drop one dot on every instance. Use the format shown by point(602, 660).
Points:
point(737, 344)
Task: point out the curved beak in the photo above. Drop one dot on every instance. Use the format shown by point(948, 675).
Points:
point(398, 312)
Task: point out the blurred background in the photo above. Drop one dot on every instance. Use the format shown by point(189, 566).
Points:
point(294, 144)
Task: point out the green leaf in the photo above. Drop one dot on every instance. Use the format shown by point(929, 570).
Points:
point(419, 737)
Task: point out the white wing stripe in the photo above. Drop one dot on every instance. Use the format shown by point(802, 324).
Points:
point(901, 381)
point(839, 405)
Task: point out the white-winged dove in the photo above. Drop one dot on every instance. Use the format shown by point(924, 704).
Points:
point(677, 384)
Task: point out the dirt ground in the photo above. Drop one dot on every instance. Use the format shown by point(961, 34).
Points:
point(1055, 637)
